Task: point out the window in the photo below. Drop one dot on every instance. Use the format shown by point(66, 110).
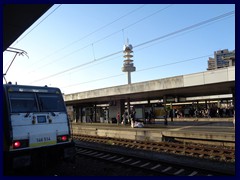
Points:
point(23, 102)
point(51, 102)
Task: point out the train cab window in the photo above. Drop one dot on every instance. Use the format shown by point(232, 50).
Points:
point(22, 102)
point(51, 102)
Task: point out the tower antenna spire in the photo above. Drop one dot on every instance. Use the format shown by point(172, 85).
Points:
point(127, 42)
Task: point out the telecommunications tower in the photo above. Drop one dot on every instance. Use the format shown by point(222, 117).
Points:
point(128, 62)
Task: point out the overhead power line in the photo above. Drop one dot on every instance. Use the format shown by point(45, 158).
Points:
point(95, 80)
point(101, 39)
point(104, 26)
point(91, 33)
point(145, 69)
point(188, 28)
point(75, 67)
point(147, 42)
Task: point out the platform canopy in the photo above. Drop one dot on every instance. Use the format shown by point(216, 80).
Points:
point(17, 18)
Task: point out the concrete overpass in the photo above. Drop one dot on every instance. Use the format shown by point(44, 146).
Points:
point(215, 82)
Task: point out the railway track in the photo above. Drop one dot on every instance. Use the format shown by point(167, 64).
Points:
point(219, 153)
point(125, 157)
point(145, 165)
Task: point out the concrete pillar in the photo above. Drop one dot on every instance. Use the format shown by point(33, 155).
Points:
point(74, 114)
point(206, 104)
point(77, 113)
point(164, 100)
point(149, 101)
point(80, 114)
point(233, 96)
point(95, 112)
point(128, 110)
point(122, 107)
point(129, 77)
point(115, 108)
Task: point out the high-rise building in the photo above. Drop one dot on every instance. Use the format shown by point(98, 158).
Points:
point(222, 58)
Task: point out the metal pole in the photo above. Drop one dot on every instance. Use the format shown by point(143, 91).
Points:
point(11, 63)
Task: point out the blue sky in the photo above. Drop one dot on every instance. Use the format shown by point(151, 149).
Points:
point(72, 46)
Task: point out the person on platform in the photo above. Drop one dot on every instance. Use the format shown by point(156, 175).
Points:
point(118, 118)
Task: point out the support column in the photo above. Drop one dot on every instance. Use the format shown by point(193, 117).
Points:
point(164, 100)
point(233, 96)
point(165, 117)
point(129, 77)
point(95, 112)
point(122, 108)
point(80, 114)
point(206, 104)
point(74, 114)
point(129, 111)
point(171, 112)
point(116, 107)
point(77, 113)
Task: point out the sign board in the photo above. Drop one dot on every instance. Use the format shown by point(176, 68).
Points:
point(139, 113)
point(160, 112)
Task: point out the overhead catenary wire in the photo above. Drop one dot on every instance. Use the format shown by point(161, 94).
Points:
point(142, 44)
point(91, 33)
point(188, 28)
point(81, 65)
point(145, 69)
point(104, 26)
point(140, 49)
point(103, 38)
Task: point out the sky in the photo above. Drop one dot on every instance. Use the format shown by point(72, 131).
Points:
point(78, 47)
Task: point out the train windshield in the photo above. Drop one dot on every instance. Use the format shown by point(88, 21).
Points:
point(51, 102)
point(23, 102)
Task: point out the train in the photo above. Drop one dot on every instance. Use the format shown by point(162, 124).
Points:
point(35, 125)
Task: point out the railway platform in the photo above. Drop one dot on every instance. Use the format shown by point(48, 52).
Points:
point(207, 131)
